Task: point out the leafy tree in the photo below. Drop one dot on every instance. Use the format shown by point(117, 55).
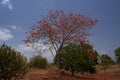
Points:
point(38, 61)
point(59, 29)
point(12, 63)
point(117, 54)
point(106, 61)
point(76, 57)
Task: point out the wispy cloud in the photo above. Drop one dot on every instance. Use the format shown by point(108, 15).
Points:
point(14, 27)
point(5, 34)
point(7, 3)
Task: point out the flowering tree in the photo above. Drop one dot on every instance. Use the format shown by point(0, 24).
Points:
point(58, 29)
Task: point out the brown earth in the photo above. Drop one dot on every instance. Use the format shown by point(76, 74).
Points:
point(53, 73)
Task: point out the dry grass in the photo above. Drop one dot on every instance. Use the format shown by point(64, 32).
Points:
point(53, 73)
point(112, 70)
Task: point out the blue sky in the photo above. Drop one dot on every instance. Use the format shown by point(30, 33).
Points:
point(16, 17)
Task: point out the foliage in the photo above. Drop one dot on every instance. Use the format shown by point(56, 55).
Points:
point(38, 61)
point(59, 29)
point(12, 63)
point(106, 61)
point(117, 54)
point(78, 57)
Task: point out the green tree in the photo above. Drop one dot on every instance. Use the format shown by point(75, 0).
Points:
point(106, 61)
point(38, 61)
point(77, 58)
point(12, 63)
point(117, 54)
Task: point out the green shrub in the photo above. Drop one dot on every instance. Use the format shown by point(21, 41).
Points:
point(12, 63)
point(77, 58)
point(38, 61)
point(106, 61)
point(117, 55)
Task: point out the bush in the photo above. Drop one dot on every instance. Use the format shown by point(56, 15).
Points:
point(38, 61)
point(106, 61)
point(117, 55)
point(12, 63)
point(77, 58)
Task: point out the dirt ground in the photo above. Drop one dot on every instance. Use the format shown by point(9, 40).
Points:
point(53, 73)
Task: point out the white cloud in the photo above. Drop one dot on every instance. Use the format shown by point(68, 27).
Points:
point(14, 27)
point(24, 49)
point(103, 52)
point(29, 52)
point(7, 3)
point(5, 34)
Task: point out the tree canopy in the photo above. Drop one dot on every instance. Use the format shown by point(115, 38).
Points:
point(58, 29)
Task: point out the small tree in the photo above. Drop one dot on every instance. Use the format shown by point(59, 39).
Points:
point(12, 63)
point(106, 61)
point(38, 61)
point(117, 54)
point(77, 58)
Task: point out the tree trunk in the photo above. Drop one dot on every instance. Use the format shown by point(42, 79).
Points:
point(58, 54)
point(72, 71)
point(119, 64)
point(58, 59)
point(104, 69)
